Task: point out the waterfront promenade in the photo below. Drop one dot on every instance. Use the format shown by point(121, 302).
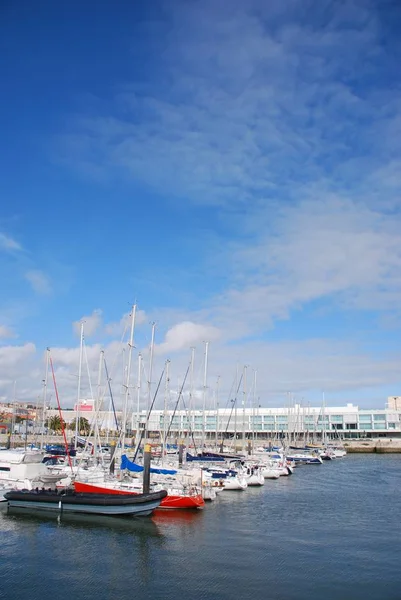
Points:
point(362, 445)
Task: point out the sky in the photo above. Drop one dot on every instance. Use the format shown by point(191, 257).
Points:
point(232, 168)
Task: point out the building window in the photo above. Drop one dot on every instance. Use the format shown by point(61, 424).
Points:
point(379, 417)
point(351, 426)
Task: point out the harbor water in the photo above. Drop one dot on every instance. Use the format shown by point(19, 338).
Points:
point(330, 531)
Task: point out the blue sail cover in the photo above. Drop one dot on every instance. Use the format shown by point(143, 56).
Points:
point(126, 463)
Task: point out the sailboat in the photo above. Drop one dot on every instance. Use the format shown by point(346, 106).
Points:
point(180, 494)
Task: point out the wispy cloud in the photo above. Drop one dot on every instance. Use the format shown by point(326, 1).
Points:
point(91, 323)
point(9, 244)
point(120, 327)
point(317, 250)
point(6, 332)
point(285, 120)
point(254, 102)
point(266, 112)
point(39, 281)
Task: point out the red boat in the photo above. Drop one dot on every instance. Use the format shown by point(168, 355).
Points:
point(170, 501)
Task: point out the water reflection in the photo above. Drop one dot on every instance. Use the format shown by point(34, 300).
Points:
point(178, 516)
point(138, 525)
point(327, 532)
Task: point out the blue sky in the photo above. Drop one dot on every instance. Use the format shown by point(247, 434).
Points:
point(233, 167)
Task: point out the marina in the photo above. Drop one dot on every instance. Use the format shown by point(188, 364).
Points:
point(328, 527)
point(200, 318)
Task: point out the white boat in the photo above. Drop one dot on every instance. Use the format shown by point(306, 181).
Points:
point(24, 469)
point(226, 479)
point(305, 458)
point(337, 452)
point(208, 491)
point(235, 483)
point(271, 472)
point(253, 475)
point(277, 466)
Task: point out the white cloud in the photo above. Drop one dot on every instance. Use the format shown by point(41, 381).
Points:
point(262, 111)
point(260, 116)
point(121, 326)
point(184, 335)
point(39, 281)
point(18, 364)
point(8, 243)
point(314, 250)
point(254, 99)
point(6, 332)
point(305, 368)
point(91, 323)
point(12, 357)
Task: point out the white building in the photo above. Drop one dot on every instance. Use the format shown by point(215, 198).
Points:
point(257, 423)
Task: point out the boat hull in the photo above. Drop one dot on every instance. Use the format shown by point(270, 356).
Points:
point(168, 502)
point(95, 504)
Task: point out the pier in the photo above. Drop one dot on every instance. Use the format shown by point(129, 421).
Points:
point(372, 446)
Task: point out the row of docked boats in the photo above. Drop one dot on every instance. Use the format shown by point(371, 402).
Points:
point(39, 479)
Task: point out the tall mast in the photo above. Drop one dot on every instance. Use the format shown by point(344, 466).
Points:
point(191, 385)
point(99, 401)
point(77, 412)
point(235, 408)
point(149, 399)
point(138, 399)
point(243, 407)
point(44, 398)
point(13, 420)
point(204, 397)
point(253, 408)
point(166, 397)
point(217, 409)
point(127, 383)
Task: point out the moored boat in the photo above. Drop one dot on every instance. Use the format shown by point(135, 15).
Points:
point(174, 498)
point(24, 469)
point(95, 504)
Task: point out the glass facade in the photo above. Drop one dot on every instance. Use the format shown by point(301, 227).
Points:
point(365, 418)
point(346, 421)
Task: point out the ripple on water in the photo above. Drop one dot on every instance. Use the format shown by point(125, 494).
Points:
point(330, 531)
